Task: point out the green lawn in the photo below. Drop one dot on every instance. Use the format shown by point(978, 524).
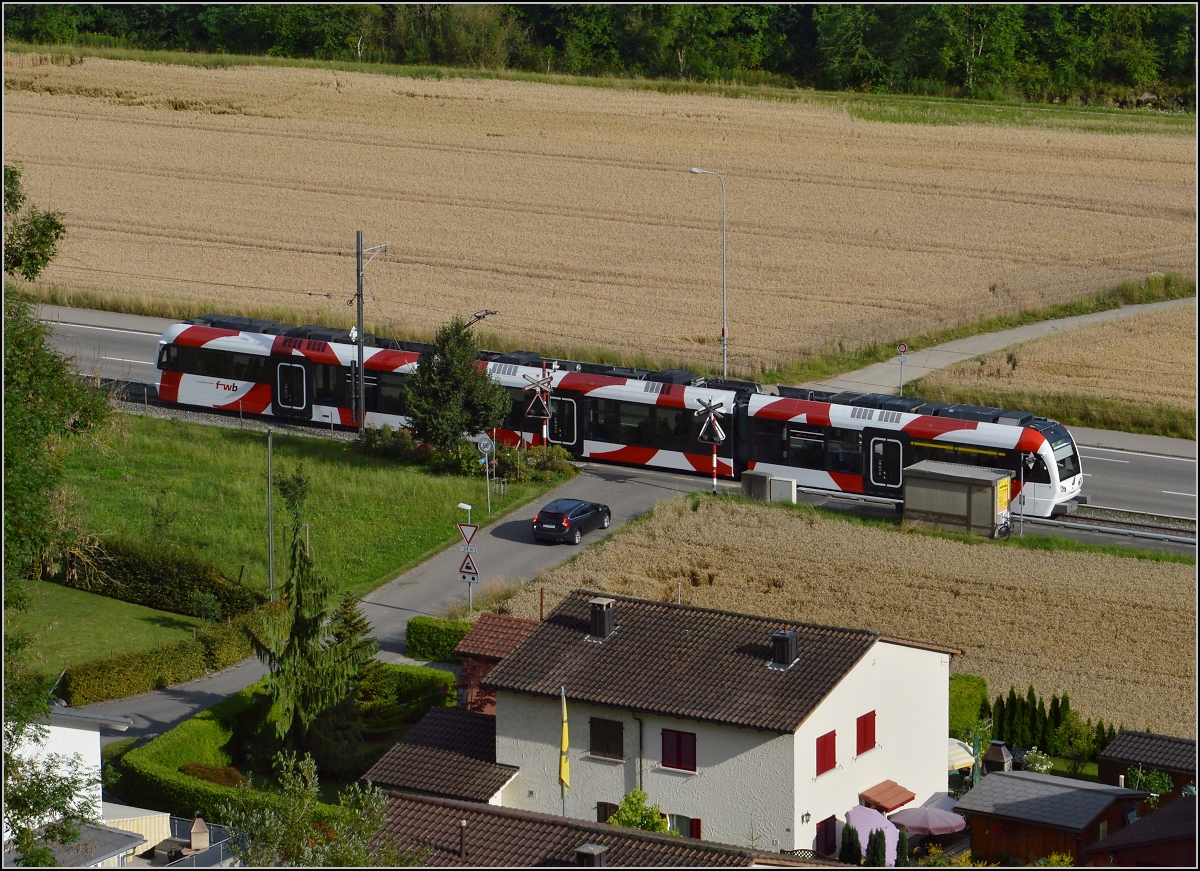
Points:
point(368, 518)
point(72, 626)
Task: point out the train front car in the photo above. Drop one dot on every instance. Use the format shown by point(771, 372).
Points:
point(215, 368)
point(864, 449)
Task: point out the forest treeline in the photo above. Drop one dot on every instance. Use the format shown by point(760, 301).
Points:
point(1079, 54)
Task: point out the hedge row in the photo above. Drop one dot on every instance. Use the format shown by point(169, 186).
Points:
point(150, 775)
point(433, 639)
point(968, 695)
point(128, 674)
point(405, 691)
point(165, 577)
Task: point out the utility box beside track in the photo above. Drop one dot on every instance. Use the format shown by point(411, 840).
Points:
point(958, 498)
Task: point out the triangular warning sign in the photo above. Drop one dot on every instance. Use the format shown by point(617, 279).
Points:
point(468, 567)
point(537, 407)
point(711, 433)
point(467, 530)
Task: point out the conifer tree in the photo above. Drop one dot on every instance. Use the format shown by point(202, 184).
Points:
point(903, 859)
point(998, 715)
point(1054, 715)
point(876, 849)
point(1012, 714)
point(1032, 726)
point(309, 672)
point(851, 851)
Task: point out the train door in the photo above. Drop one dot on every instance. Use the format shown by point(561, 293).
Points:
point(564, 428)
point(884, 472)
point(291, 391)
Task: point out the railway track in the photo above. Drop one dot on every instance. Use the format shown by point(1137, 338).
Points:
point(135, 397)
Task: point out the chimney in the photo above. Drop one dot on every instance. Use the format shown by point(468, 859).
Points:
point(602, 617)
point(462, 839)
point(591, 856)
point(784, 647)
point(1121, 780)
point(199, 834)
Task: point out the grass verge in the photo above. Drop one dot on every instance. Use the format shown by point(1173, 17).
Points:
point(69, 626)
point(205, 488)
point(888, 108)
point(1076, 409)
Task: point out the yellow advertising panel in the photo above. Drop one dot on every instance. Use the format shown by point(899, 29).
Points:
point(1002, 495)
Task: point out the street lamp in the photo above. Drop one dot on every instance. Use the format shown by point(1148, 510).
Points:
point(724, 309)
point(467, 508)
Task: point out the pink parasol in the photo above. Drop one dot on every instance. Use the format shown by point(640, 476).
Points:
point(866, 820)
point(928, 821)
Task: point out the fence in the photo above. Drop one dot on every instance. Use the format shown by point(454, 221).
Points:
point(217, 853)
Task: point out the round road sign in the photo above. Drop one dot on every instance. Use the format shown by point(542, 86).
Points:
point(485, 445)
point(902, 348)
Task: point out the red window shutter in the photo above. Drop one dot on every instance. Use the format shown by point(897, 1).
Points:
point(695, 833)
point(687, 750)
point(866, 733)
point(827, 835)
point(826, 752)
point(670, 748)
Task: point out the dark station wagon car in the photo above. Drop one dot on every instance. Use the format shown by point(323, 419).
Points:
point(569, 519)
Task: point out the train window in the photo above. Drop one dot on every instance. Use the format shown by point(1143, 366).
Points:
point(1038, 474)
point(519, 401)
point(806, 446)
point(1068, 461)
point(636, 426)
point(604, 423)
point(766, 438)
point(246, 367)
point(331, 386)
point(843, 451)
point(174, 358)
point(392, 398)
point(211, 364)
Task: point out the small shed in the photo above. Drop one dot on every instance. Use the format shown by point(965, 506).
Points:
point(1166, 838)
point(1130, 749)
point(1018, 817)
point(958, 498)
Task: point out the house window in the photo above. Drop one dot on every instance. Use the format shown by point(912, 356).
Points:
point(827, 836)
point(688, 827)
point(866, 733)
point(826, 752)
point(604, 810)
point(608, 738)
point(679, 749)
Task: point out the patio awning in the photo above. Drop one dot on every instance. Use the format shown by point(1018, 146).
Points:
point(886, 796)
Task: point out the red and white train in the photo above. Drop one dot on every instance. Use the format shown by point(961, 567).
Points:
point(845, 443)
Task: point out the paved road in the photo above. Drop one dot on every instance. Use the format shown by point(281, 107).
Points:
point(507, 551)
point(124, 346)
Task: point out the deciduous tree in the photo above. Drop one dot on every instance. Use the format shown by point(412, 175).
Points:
point(633, 813)
point(450, 396)
point(1075, 741)
point(30, 239)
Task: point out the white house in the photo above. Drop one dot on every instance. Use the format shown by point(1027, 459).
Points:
point(745, 730)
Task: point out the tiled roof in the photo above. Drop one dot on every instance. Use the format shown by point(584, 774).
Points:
point(1152, 751)
point(505, 837)
point(681, 661)
point(450, 752)
point(1046, 799)
point(1175, 822)
point(887, 796)
point(494, 635)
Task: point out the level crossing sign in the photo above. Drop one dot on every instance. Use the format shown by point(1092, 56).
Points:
point(711, 432)
point(541, 390)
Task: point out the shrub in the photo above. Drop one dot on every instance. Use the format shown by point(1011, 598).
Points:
point(851, 850)
point(128, 674)
point(222, 775)
point(968, 693)
point(433, 639)
point(163, 576)
point(394, 444)
point(399, 693)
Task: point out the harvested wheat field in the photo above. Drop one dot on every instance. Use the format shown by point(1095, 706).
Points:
point(1111, 360)
point(569, 210)
point(1117, 634)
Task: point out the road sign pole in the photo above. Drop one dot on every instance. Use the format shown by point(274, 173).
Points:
point(714, 469)
point(902, 349)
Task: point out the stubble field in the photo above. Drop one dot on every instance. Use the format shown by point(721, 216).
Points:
point(1116, 634)
point(570, 211)
point(1148, 359)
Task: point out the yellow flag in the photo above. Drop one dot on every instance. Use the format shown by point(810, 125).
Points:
point(564, 764)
